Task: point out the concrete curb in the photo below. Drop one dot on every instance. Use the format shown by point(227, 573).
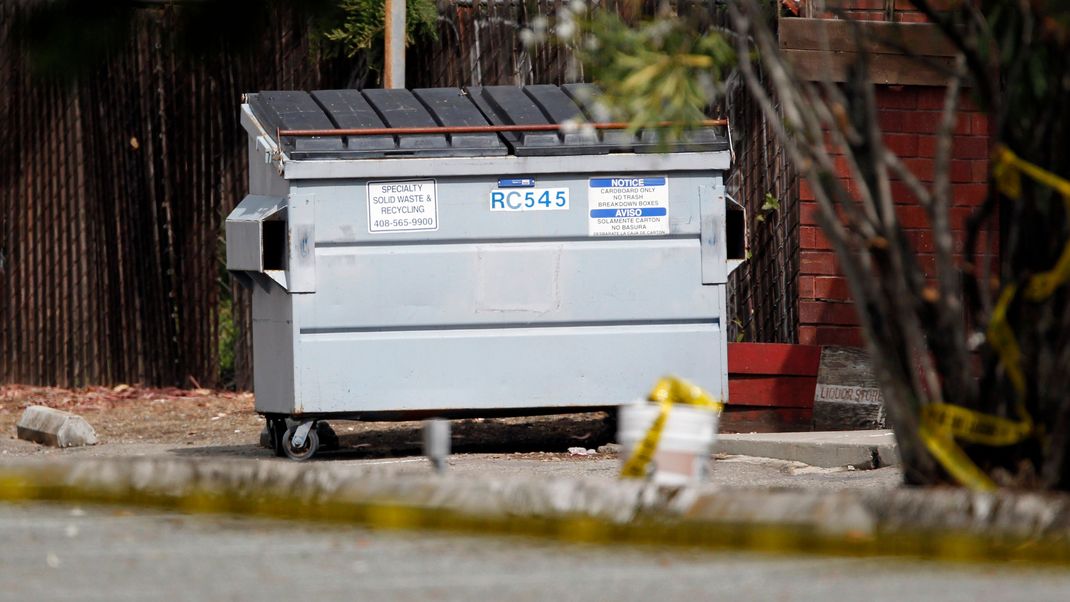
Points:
point(945, 523)
point(828, 449)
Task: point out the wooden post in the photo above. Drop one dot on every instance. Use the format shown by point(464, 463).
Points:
point(394, 51)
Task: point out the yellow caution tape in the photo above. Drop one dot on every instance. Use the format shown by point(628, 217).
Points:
point(682, 391)
point(639, 462)
point(1009, 166)
point(1001, 338)
point(942, 424)
point(668, 391)
point(1007, 171)
point(1041, 286)
point(974, 427)
point(942, 446)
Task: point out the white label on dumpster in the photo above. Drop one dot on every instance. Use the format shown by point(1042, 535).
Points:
point(628, 206)
point(408, 206)
point(529, 199)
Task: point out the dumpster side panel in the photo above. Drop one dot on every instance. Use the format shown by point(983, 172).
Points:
point(273, 362)
point(481, 284)
point(571, 366)
point(720, 387)
point(264, 179)
point(273, 324)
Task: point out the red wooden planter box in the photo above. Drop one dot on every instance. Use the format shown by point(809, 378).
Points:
point(770, 386)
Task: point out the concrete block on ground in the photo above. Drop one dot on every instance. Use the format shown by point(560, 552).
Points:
point(847, 396)
point(827, 449)
point(56, 428)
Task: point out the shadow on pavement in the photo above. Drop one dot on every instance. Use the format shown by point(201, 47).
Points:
point(472, 436)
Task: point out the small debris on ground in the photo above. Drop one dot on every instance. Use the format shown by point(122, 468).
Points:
point(609, 448)
point(56, 428)
point(787, 467)
point(580, 451)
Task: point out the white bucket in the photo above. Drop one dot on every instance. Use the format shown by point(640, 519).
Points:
point(683, 452)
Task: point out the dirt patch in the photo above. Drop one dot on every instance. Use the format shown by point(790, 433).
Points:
point(131, 414)
point(203, 418)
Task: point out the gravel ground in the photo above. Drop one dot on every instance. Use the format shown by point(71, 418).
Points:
point(126, 414)
point(204, 419)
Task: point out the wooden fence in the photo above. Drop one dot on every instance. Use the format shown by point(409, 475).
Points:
point(114, 182)
point(113, 188)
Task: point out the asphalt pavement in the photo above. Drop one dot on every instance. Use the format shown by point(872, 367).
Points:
point(84, 553)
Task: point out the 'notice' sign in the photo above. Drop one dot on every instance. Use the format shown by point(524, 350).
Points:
point(628, 206)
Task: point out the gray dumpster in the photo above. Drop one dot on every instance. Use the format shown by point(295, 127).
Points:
point(430, 265)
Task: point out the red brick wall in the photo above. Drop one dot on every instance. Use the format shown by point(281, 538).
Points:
point(908, 116)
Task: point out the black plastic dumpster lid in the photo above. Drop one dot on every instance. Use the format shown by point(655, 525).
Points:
point(540, 105)
point(452, 107)
point(537, 105)
point(295, 111)
point(375, 109)
point(350, 110)
point(703, 139)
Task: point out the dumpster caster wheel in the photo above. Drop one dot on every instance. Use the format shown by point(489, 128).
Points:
point(306, 451)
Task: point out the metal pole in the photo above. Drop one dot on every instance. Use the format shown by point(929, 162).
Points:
point(394, 51)
point(437, 443)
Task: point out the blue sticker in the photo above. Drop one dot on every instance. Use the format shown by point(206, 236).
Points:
point(516, 182)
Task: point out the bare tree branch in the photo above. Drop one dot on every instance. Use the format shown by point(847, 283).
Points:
point(950, 348)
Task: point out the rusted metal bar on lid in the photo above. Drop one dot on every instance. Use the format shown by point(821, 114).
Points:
point(477, 129)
